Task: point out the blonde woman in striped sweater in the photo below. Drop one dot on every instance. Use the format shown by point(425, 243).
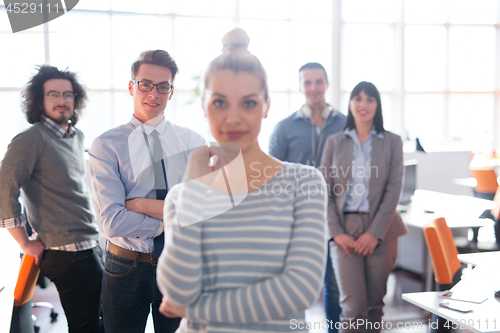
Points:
point(258, 263)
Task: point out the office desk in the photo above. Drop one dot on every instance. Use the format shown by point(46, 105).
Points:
point(457, 208)
point(9, 261)
point(477, 259)
point(484, 279)
point(460, 211)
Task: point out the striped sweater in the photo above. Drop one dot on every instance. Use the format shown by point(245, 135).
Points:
point(256, 266)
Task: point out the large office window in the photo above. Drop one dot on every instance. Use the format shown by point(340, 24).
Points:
point(436, 62)
point(100, 39)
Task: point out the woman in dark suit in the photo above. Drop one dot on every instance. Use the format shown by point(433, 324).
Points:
point(363, 168)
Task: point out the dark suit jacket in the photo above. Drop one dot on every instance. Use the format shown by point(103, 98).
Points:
point(386, 178)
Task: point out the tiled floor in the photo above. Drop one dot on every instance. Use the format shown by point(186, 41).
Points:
point(396, 310)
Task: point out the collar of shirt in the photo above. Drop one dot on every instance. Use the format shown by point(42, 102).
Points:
point(147, 129)
point(57, 130)
point(306, 112)
point(353, 134)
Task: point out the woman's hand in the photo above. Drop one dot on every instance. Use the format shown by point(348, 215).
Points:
point(171, 311)
point(346, 242)
point(227, 167)
point(199, 161)
point(365, 244)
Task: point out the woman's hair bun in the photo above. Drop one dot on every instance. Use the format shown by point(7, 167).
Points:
point(235, 39)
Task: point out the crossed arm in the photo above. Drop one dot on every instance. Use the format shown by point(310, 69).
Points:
point(149, 207)
point(138, 218)
point(291, 291)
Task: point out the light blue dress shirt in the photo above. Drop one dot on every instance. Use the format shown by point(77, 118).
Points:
point(359, 186)
point(116, 159)
point(291, 138)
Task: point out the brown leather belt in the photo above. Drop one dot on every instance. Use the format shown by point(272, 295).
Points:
point(131, 255)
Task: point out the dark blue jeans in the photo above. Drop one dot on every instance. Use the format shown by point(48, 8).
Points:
point(331, 296)
point(78, 278)
point(128, 292)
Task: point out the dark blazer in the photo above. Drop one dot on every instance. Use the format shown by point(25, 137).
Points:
point(386, 178)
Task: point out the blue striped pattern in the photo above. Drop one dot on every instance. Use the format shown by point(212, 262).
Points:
point(254, 267)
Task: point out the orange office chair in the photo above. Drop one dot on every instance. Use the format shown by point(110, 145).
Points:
point(487, 183)
point(28, 274)
point(447, 267)
point(22, 317)
point(496, 210)
point(487, 186)
point(442, 250)
point(493, 214)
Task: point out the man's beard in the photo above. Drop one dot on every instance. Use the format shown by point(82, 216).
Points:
point(62, 119)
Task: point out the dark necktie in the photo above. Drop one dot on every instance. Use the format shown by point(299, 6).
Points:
point(161, 184)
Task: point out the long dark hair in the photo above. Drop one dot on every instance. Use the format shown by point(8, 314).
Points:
point(369, 89)
point(33, 95)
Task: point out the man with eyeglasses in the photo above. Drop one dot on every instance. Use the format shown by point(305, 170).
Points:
point(47, 163)
point(132, 168)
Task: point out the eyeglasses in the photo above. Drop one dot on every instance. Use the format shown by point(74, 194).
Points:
point(68, 96)
point(162, 88)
